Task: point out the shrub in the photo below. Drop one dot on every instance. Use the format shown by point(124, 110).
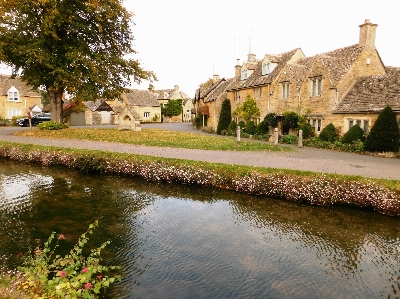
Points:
point(290, 119)
point(225, 116)
point(197, 122)
point(308, 131)
point(270, 120)
point(289, 139)
point(250, 128)
point(241, 124)
point(261, 128)
point(355, 133)
point(232, 126)
point(329, 133)
point(51, 125)
point(384, 134)
point(46, 275)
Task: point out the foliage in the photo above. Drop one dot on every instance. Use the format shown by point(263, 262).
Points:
point(270, 120)
point(207, 83)
point(232, 126)
point(384, 134)
point(289, 139)
point(242, 125)
point(45, 97)
point(74, 105)
point(225, 116)
point(261, 128)
point(290, 119)
point(308, 131)
point(380, 195)
point(51, 125)
point(79, 47)
point(355, 133)
point(172, 108)
point(356, 146)
point(154, 137)
point(197, 122)
point(47, 275)
point(329, 133)
point(248, 110)
point(250, 128)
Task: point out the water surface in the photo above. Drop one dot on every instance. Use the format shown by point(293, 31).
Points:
point(179, 241)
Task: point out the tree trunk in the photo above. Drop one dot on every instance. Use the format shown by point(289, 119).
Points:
point(56, 103)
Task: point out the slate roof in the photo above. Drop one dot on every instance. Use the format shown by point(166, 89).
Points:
point(204, 91)
point(24, 90)
point(256, 78)
point(160, 93)
point(141, 98)
point(371, 94)
point(220, 88)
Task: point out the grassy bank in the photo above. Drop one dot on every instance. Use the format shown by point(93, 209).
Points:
point(157, 137)
point(380, 195)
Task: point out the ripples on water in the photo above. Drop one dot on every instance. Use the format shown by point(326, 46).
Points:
point(186, 242)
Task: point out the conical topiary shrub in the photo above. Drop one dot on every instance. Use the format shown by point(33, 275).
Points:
point(384, 135)
point(225, 116)
point(355, 133)
point(329, 133)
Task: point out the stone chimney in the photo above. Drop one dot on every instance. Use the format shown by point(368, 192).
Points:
point(176, 88)
point(251, 57)
point(215, 78)
point(367, 34)
point(238, 68)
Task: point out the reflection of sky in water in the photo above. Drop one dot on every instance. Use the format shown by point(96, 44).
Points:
point(15, 190)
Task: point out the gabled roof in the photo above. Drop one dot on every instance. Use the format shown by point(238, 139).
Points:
point(373, 93)
point(141, 98)
point(216, 92)
point(338, 62)
point(257, 79)
point(202, 92)
point(24, 90)
point(161, 92)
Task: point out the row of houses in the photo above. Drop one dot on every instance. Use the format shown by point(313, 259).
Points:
point(346, 86)
point(16, 98)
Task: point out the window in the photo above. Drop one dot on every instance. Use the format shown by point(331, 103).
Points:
point(237, 96)
point(362, 123)
point(266, 68)
point(120, 100)
point(146, 114)
point(285, 90)
point(14, 112)
point(244, 74)
point(257, 93)
point(165, 95)
point(316, 124)
point(13, 94)
point(316, 87)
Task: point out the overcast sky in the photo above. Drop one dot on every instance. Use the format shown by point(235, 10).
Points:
point(186, 42)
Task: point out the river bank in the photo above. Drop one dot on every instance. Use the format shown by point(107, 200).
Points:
point(382, 196)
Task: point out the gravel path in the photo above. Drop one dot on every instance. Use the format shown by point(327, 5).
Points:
point(306, 158)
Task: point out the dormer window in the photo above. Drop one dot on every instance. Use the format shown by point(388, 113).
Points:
point(316, 86)
point(165, 95)
point(13, 94)
point(244, 74)
point(266, 68)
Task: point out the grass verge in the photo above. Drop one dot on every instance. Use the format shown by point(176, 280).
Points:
point(157, 137)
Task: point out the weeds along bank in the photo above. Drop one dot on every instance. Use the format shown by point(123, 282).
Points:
point(382, 196)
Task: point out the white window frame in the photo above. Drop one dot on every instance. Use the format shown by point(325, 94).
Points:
point(146, 114)
point(316, 87)
point(285, 90)
point(14, 112)
point(316, 124)
point(237, 96)
point(13, 94)
point(363, 123)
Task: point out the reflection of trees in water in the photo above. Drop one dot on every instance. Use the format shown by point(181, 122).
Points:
point(349, 242)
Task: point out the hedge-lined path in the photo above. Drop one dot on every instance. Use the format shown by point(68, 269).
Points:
point(305, 159)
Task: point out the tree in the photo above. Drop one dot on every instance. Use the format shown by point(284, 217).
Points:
point(384, 134)
point(270, 120)
point(355, 133)
point(248, 109)
point(172, 108)
point(290, 119)
point(70, 46)
point(225, 116)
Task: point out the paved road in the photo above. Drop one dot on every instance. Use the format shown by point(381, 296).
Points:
point(308, 159)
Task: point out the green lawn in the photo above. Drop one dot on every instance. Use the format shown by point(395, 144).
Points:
point(158, 137)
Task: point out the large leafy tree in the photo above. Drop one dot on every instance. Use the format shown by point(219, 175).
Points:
point(72, 46)
point(172, 108)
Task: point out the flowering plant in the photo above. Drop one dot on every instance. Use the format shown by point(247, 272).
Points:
point(46, 275)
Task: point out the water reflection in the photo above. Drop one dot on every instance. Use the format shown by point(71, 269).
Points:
point(186, 242)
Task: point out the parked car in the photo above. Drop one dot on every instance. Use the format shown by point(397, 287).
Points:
point(36, 119)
